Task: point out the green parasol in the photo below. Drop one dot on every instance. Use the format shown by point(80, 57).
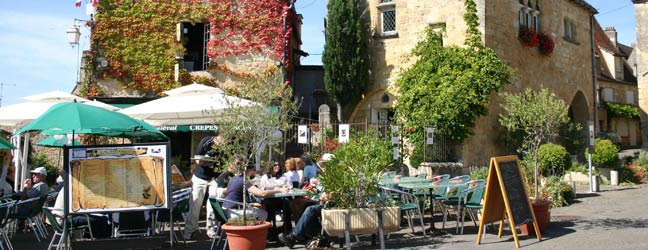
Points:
point(4, 144)
point(77, 118)
point(52, 141)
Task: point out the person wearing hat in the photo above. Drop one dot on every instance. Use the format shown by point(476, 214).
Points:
point(35, 186)
point(208, 165)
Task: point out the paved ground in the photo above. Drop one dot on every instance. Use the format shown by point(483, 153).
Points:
point(615, 218)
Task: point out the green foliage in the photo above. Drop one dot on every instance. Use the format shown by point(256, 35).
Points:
point(560, 193)
point(538, 114)
point(448, 87)
point(629, 174)
point(573, 137)
point(479, 174)
point(622, 110)
point(41, 160)
point(346, 55)
point(351, 178)
point(578, 167)
point(553, 159)
point(606, 154)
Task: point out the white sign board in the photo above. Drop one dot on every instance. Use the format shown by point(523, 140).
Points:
point(117, 178)
point(395, 134)
point(343, 133)
point(396, 153)
point(429, 136)
point(591, 134)
point(302, 134)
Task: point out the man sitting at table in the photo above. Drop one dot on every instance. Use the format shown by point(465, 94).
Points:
point(235, 194)
point(308, 225)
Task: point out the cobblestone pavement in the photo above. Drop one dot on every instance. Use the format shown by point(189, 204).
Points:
point(615, 218)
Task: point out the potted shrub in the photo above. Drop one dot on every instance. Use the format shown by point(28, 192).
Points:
point(605, 158)
point(250, 129)
point(539, 116)
point(351, 183)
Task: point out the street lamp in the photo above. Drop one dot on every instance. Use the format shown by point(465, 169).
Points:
point(73, 35)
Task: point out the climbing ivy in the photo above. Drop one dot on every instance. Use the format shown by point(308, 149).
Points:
point(138, 38)
point(622, 110)
point(448, 87)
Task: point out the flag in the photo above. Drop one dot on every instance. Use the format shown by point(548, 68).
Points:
point(78, 3)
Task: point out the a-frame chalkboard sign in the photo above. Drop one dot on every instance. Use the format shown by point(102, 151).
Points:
point(506, 197)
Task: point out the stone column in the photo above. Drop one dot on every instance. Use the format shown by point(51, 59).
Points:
point(641, 50)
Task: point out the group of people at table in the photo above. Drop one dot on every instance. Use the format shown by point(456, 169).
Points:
point(272, 190)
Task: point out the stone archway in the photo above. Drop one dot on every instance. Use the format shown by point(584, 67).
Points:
point(579, 110)
point(579, 113)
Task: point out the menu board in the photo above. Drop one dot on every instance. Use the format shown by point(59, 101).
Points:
point(117, 178)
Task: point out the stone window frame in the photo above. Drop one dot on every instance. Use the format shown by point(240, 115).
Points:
point(384, 7)
point(569, 30)
point(608, 95)
point(528, 15)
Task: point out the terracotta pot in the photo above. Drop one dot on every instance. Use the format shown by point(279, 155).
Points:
point(247, 237)
point(542, 211)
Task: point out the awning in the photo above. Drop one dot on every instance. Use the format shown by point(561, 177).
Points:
point(188, 128)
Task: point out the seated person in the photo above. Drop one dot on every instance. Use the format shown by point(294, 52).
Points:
point(235, 193)
point(98, 223)
point(33, 187)
point(310, 170)
point(308, 225)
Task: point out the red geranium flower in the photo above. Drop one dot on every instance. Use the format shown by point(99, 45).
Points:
point(528, 37)
point(545, 43)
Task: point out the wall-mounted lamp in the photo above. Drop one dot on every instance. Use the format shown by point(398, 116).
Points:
point(73, 35)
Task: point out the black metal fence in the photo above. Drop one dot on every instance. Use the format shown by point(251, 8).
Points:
point(440, 151)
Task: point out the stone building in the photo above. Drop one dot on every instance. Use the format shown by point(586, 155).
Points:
point(397, 25)
point(641, 56)
point(617, 87)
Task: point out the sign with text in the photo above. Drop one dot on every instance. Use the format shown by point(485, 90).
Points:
point(429, 136)
point(117, 178)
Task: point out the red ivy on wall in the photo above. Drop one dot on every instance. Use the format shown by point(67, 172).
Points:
point(138, 38)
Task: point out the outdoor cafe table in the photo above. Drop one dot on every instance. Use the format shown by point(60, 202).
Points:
point(289, 194)
point(430, 186)
point(403, 180)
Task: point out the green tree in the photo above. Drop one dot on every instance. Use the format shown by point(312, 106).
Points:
point(448, 87)
point(346, 56)
point(538, 114)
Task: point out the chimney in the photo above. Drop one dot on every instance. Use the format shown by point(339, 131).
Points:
point(612, 34)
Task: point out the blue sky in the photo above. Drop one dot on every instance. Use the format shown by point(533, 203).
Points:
point(35, 56)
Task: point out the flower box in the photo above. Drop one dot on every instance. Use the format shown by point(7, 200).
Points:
point(363, 220)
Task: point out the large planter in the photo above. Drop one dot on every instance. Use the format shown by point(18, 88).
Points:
point(247, 237)
point(363, 220)
point(542, 212)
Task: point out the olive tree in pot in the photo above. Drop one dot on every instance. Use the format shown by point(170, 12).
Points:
point(539, 116)
point(351, 183)
point(250, 125)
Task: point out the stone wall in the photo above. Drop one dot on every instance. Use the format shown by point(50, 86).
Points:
point(567, 72)
point(641, 50)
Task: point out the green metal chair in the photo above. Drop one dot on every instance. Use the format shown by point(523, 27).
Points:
point(180, 205)
point(5, 207)
point(408, 203)
point(472, 203)
point(455, 197)
point(221, 219)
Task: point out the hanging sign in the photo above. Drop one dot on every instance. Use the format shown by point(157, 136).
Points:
point(429, 136)
point(302, 134)
point(395, 134)
point(343, 135)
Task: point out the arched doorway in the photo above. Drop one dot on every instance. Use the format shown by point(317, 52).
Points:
point(578, 114)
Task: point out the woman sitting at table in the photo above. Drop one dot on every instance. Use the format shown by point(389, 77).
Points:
point(291, 175)
point(275, 171)
point(234, 196)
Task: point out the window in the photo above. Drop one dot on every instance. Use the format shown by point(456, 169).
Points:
point(570, 30)
point(630, 97)
point(608, 95)
point(529, 16)
point(618, 68)
point(389, 21)
point(387, 10)
point(195, 38)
